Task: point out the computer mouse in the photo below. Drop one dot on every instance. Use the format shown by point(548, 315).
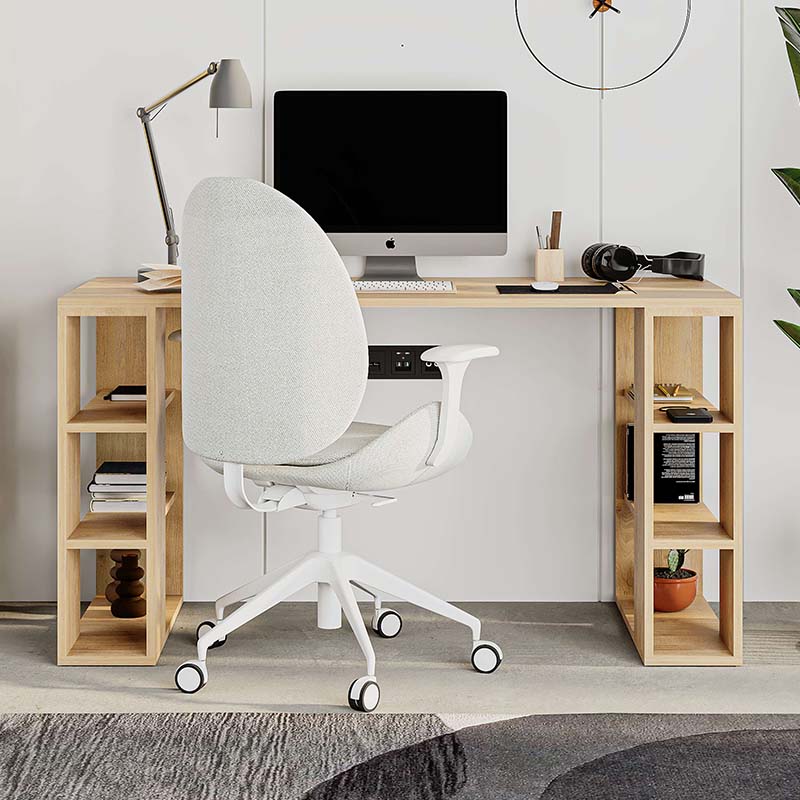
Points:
point(544, 286)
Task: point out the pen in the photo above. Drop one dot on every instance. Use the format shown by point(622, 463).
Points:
point(539, 237)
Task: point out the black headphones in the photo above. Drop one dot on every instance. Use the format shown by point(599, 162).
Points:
point(610, 262)
point(618, 262)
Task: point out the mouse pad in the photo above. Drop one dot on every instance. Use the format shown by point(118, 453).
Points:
point(599, 288)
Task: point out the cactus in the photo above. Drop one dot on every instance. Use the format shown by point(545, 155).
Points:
point(675, 560)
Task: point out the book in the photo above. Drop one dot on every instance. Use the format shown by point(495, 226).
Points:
point(115, 488)
point(117, 506)
point(127, 472)
point(125, 393)
point(161, 278)
point(676, 467)
point(119, 495)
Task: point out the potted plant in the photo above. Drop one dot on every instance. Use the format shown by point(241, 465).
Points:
point(674, 587)
point(790, 176)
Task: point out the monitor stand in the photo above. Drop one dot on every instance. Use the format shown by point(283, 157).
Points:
point(391, 268)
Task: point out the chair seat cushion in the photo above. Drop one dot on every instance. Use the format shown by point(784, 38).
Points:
point(368, 457)
point(358, 435)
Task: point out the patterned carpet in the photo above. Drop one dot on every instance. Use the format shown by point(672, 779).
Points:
point(224, 756)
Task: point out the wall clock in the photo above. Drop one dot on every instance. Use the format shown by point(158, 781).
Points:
point(603, 44)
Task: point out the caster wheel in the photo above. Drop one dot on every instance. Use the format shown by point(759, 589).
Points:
point(205, 627)
point(486, 657)
point(387, 623)
point(364, 694)
point(191, 676)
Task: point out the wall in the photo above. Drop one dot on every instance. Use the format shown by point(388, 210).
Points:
point(527, 517)
point(77, 199)
point(532, 495)
point(771, 237)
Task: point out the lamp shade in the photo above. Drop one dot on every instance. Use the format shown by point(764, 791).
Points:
point(230, 87)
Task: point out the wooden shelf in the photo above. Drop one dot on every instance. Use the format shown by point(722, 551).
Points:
point(720, 424)
point(105, 416)
point(107, 640)
point(707, 535)
point(689, 525)
point(684, 638)
point(661, 424)
point(110, 531)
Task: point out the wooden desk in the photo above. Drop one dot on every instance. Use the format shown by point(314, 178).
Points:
point(658, 339)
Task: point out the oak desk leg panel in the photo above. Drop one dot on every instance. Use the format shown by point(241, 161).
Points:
point(669, 349)
point(129, 350)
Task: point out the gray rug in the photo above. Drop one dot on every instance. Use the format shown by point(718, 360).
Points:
point(394, 756)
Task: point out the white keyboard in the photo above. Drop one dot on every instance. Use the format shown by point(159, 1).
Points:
point(403, 286)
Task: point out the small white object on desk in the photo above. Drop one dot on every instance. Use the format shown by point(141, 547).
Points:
point(544, 286)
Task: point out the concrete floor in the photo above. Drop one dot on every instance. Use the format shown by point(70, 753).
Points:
point(559, 658)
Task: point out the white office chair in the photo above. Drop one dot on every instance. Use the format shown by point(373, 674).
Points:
point(274, 370)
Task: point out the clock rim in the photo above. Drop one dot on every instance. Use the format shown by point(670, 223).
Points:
point(605, 88)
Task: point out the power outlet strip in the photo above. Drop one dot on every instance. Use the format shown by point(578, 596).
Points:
point(401, 362)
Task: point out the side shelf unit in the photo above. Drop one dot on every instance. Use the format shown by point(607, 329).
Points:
point(132, 348)
point(666, 346)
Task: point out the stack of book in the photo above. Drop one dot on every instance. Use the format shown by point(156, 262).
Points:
point(159, 278)
point(119, 486)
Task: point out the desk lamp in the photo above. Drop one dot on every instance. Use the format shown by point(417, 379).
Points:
point(229, 89)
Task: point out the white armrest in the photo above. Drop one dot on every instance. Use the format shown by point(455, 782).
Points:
point(455, 353)
point(452, 360)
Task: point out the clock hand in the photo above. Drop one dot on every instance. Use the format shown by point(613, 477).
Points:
point(603, 5)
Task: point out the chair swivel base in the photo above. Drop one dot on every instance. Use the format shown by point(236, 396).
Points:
point(336, 573)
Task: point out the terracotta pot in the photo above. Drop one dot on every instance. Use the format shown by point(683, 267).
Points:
point(674, 594)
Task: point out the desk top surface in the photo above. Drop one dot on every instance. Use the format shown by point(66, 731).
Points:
point(119, 296)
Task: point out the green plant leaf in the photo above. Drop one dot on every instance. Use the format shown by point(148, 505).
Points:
point(672, 560)
point(789, 17)
point(790, 178)
point(791, 34)
point(790, 329)
point(790, 25)
point(795, 294)
point(794, 63)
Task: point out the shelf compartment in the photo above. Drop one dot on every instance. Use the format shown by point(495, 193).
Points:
point(110, 531)
point(107, 640)
point(689, 637)
point(105, 416)
point(683, 638)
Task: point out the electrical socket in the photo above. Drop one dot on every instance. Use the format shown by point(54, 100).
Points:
point(401, 361)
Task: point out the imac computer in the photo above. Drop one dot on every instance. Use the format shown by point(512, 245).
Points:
point(395, 174)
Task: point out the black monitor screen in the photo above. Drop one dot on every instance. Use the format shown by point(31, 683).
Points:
point(394, 162)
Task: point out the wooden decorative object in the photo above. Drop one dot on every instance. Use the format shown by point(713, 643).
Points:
point(127, 586)
point(111, 593)
point(548, 265)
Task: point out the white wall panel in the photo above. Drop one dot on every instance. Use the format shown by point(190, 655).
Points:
point(487, 530)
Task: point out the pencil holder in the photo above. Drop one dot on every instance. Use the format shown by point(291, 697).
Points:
point(548, 265)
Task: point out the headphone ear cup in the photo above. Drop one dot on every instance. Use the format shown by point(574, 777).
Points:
point(600, 262)
point(588, 260)
point(623, 264)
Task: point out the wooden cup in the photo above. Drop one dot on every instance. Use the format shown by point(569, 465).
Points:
point(548, 265)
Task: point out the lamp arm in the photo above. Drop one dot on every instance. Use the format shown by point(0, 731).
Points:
point(144, 113)
point(171, 239)
point(209, 70)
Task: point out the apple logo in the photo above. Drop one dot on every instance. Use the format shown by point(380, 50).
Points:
point(390, 244)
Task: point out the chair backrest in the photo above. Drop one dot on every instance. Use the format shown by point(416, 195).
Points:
point(274, 346)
